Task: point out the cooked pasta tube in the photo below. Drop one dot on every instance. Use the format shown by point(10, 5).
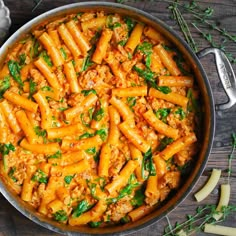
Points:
point(68, 40)
point(28, 184)
point(122, 179)
point(154, 35)
point(78, 36)
point(123, 109)
point(224, 200)
point(167, 60)
point(47, 73)
point(53, 52)
point(27, 127)
point(10, 116)
point(114, 132)
point(170, 97)
point(21, 101)
point(102, 46)
point(71, 77)
point(40, 148)
point(219, 230)
point(130, 92)
point(135, 37)
point(160, 126)
point(209, 186)
point(63, 194)
point(94, 23)
point(68, 158)
point(64, 131)
point(140, 212)
point(85, 104)
point(55, 206)
point(50, 193)
point(55, 37)
point(46, 114)
point(76, 168)
point(83, 144)
point(160, 164)
point(152, 192)
point(176, 81)
point(137, 156)
point(104, 160)
point(3, 127)
point(90, 215)
point(131, 133)
point(177, 146)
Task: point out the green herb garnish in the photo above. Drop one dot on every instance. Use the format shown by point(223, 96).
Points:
point(60, 216)
point(14, 69)
point(5, 84)
point(82, 207)
point(40, 177)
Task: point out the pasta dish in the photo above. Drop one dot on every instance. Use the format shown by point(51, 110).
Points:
point(98, 118)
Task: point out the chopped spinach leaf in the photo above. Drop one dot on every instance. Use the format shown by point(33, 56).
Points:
point(22, 58)
point(11, 174)
point(55, 155)
point(98, 114)
point(40, 177)
point(63, 52)
point(32, 88)
point(164, 142)
point(82, 207)
point(68, 179)
point(146, 49)
point(138, 198)
point(93, 224)
point(102, 133)
point(47, 88)
point(181, 113)
point(41, 133)
point(162, 114)
point(4, 85)
point(131, 102)
point(87, 92)
point(60, 216)
point(86, 135)
point(147, 164)
point(46, 58)
point(130, 24)
point(91, 150)
point(14, 69)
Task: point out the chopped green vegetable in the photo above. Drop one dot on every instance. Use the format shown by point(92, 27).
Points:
point(47, 88)
point(68, 179)
point(87, 60)
point(147, 74)
point(147, 164)
point(32, 88)
point(122, 42)
point(63, 52)
point(83, 121)
point(164, 142)
point(55, 155)
point(87, 92)
point(125, 219)
point(146, 49)
point(193, 105)
point(40, 177)
point(98, 114)
point(11, 174)
point(14, 69)
point(181, 113)
point(138, 198)
point(162, 114)
point(46, 58)
point(86, 135)
point(92, 188)
point(164, 89)
point(62, 108)
point(130, 24)
point(91, 150)
point(60, 216)
point(102, 133)
point(112, 25)
point(82, 207)
point(22, 58)
point(93, 224)
point(41, 133)
point(4, 85)
point(5, 148)
point(127, 190)
point(131, 102)
point(35, 49)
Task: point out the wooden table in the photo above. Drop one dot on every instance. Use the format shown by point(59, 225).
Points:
point(14, 223)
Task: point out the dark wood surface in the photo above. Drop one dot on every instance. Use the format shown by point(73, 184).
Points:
point(14, 223)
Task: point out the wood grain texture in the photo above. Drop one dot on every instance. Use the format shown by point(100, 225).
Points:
point(13, 223)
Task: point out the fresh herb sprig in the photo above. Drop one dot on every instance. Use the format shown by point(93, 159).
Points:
point(194, 223)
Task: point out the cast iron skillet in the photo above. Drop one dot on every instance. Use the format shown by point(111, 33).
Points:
point(226, 76)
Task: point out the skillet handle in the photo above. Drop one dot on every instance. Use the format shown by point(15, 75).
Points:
point(226, 75)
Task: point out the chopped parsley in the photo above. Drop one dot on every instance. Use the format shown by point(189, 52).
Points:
point(14, 69)
point(40, 177)
point(4, 85)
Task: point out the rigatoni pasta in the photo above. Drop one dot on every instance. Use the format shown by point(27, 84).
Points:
point(95, 113)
